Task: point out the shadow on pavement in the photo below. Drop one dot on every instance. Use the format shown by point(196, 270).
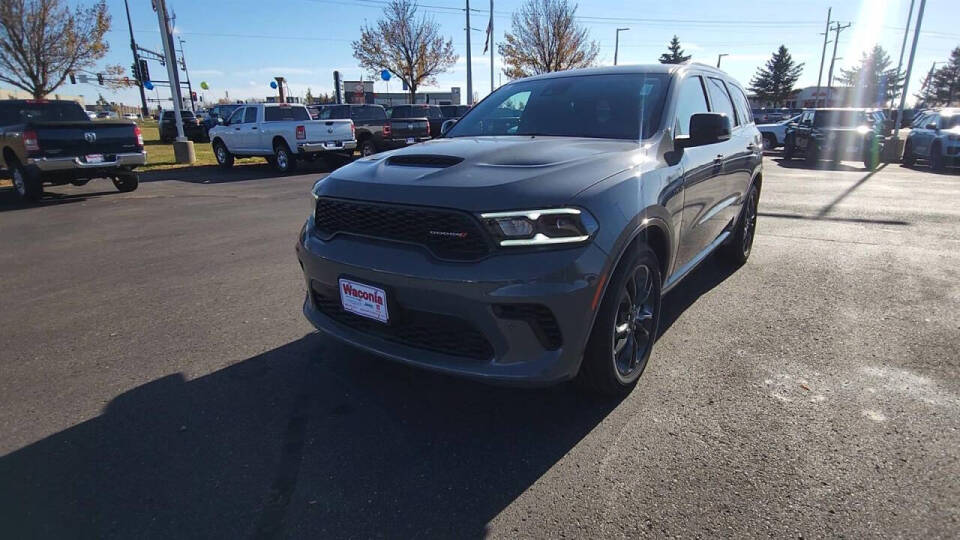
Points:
point(213, 174)
point(713, 271)
point(800, 163)
point(308, 440)
point(787, 215)
point(10, 201)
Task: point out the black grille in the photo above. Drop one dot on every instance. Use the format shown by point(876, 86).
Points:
point(428, 160)
point(540, 319)
point(414, 328)
point(447, 234)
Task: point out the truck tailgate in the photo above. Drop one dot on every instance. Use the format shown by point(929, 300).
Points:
point(410, 127)
point(329, 130)
point(66, 139)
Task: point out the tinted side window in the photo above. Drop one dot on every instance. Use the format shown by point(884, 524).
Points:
point(807, 118)
point(690, 101)
point(434, 113)
point(376, 114)
point(743, 106)
point(720, 100)
point(250, 115)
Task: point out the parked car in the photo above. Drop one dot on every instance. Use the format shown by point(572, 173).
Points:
point(453, 111)
point(54, 142)
point(283, 133)
point(536, 251)
point(376, 132)
point(774, 134)
point(131, 116)
point(837, 134)
point(192, 128)
point(935, 138)
point(773, 115)
point(431, 112)
point(214, 115)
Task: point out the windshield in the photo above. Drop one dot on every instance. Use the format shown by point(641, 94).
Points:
point(621, 106)
point(950, 122)
point(846, 119)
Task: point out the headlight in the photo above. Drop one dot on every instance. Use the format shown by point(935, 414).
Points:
point(316, 190)
point(540, 227)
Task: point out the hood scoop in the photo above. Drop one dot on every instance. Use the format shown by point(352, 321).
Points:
point(423, 160)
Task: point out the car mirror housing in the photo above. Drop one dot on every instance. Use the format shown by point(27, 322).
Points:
point(931, 125)
point(705, 128)
point(447, 125)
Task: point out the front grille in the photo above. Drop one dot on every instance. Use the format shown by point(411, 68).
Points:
point(413, 328)
point(540, 319)
point(447, 234)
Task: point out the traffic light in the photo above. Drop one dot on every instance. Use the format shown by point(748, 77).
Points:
point(144, 71)
point(193, 96)
point(100, 79)
point(135, 69)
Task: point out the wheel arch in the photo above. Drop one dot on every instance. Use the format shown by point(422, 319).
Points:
point(9, 157)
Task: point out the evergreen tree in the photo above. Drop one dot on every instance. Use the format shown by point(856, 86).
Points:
point(874, 81)
point(774, 82)
point(945, 86)
point(675, 56)
point(309, 97)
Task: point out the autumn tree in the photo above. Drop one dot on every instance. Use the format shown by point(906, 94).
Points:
point(774, 82)
point(408, 46)
point(674, 54)
point(544, 37)
point(42, 41)
point(874, 81)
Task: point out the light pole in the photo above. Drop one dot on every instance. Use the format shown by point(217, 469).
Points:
point(720, 57)
point(616, 46)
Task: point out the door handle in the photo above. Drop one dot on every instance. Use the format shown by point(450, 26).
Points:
point(718, 159)
point(254, 127)
point(752, 147)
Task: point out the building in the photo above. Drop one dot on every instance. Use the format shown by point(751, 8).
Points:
point(16, 93)
point(838, 96)
point(362, 92)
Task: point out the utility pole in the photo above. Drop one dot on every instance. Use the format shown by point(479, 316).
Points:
point(491, 46)
point(616, 46)
point(823, 56)
point(903, 48)
point(906, 81)
point(719, 57)
point(836, 40)
point(183, 63)
point(469, 61)
point(182, 148)
point(144, 110)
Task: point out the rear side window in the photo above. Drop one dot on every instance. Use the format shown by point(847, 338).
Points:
point(720, 99)
point(284, 114)
point(743, 106)
point(690, 101)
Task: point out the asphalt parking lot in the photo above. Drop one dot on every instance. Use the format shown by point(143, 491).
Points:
point(158, 380)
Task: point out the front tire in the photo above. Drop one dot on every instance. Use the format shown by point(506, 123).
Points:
point(909, 160)
point(626, 326)
point(788, 149)
point(28, 185)
point(936, 158)
point(224, 157)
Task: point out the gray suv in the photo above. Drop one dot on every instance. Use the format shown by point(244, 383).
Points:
point(934, 137)
point(533, 242)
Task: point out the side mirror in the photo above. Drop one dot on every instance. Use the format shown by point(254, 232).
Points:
point(221, 121)
point(447, 124)
point(931, 125)
point(705, 128)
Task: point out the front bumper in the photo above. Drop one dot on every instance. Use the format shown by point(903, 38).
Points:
point(462, 299)
point(313, 148)
point(125, 161)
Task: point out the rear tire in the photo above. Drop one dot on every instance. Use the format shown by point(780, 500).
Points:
point(769, 142)
point(738, 248)
point(788, 149)
point(224, 157)
point(367, 148)
point(284, 160)
point(626, 326)
point(909, 160)
point(28, 185)
point(126, 183)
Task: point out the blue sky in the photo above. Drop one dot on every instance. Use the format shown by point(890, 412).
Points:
point(238, 46)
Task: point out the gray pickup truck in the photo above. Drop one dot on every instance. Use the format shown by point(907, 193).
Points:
point(52, 142)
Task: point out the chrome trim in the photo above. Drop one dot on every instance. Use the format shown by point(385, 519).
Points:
point(67, 163)
point(532, 215)
point(719, 206)
point(322, 147)
point(541, 239)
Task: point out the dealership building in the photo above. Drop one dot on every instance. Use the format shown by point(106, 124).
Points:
point(362, 92)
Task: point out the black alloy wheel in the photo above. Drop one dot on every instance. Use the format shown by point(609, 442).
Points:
point(633, 329)
point(738, 247)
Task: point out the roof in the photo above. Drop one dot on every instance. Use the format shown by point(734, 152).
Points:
point(863, 109)
point(608, 70)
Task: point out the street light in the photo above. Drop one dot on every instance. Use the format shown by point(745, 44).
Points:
point(616, 47)
point(719, 57)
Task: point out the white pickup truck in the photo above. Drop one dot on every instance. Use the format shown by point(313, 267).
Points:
point(283, 133)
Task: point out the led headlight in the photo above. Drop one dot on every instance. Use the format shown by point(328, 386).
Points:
point(316, 190)
point(540, 227)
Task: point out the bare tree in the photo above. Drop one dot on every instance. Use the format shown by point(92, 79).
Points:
point(544, 38)
point(409, 47)
point(42, 41)
point(115, 77)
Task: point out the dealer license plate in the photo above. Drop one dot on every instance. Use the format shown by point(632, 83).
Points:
point(411, 140)
point(364, 300)
point(94, 158)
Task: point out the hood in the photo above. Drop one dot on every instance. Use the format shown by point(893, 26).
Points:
point(483, 173)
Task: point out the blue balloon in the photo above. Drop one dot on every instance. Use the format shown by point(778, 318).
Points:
point(148, 85)
point(273, 84)
point(385, 75)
